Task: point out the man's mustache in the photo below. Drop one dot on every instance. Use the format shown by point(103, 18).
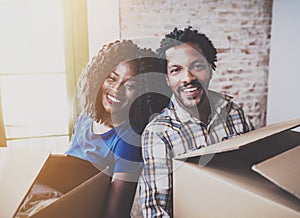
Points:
point(195, 83)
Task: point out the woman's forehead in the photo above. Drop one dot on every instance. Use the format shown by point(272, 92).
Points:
point(126, 69)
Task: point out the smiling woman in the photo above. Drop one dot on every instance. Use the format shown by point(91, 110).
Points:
point(114, 113)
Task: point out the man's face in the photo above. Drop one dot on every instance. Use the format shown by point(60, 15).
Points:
point(188, 74)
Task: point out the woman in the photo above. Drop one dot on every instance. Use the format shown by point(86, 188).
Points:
point(107, 132)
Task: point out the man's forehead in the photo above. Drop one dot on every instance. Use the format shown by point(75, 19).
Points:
point(184, 52)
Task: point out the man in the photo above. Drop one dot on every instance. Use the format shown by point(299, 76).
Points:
point(196, 117)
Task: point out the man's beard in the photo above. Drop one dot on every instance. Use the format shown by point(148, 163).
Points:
point(188, 102)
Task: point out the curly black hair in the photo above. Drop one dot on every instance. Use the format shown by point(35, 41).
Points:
point(102, 64)
point(188, 35)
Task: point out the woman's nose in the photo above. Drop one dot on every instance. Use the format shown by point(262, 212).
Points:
point(117, 86)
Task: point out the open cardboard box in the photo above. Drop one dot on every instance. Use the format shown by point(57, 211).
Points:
point(83, 186)
point(256, 174)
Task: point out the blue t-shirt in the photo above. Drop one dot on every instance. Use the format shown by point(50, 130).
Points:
point(118, 148)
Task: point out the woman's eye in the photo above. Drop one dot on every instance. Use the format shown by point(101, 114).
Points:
point(131, 86)
point(111, 78)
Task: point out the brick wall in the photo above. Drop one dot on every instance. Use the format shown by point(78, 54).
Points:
point(239, 29)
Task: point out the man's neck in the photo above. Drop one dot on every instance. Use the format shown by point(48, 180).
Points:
point(202, 111)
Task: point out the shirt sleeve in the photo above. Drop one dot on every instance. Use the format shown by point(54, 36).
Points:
point(133, 169)
point(75, 149)
point(156, 179)
point(128, 159)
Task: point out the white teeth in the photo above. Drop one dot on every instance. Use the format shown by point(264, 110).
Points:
point(113, 99)
point(190, 89)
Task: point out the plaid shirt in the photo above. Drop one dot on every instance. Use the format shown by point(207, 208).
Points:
point(175, 132)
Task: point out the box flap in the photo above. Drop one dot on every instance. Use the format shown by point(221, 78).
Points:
point(239, 191)
point(64, 173)
point(19, 167)
point(234, 168)
point(283, 170)
point(244, 139)
point(86, 200)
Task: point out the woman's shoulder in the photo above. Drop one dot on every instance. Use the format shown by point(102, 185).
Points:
point(83, 119)
point(83, 116)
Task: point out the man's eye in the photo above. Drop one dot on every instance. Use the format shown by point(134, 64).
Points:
point(199, 67)
point(174, 70)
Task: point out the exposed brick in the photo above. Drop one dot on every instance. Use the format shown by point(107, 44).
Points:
point(240, 30)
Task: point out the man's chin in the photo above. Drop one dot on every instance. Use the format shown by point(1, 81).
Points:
point(189, 103)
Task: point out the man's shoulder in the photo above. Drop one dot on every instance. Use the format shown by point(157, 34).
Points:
point(233, 106)
point(226, 104)
point(224, 100)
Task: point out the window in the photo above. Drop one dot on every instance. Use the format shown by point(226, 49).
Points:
point(35, 84)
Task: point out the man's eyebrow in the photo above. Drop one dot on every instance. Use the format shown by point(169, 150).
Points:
point(201, 61)
point(204, 62)
point(174, 65)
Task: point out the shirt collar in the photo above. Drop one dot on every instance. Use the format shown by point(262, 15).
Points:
point(218, 101)
point(180, 112)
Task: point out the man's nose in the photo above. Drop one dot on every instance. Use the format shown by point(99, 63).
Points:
point(187, 76)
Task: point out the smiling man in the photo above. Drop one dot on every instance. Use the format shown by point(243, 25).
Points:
point(188, 76)
point(196, 116)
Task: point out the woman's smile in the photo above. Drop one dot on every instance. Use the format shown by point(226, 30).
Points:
point(112, 99)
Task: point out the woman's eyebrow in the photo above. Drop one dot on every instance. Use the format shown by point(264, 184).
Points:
point(114, 72)
point(132, 79)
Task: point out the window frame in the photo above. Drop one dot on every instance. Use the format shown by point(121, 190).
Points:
point(76, 57)
point(76, 51)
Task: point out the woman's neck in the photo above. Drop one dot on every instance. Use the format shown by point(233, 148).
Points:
point(100, 127)
point(107, 121)
point(105, 125)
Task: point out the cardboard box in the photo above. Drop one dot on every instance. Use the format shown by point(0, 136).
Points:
point(225, 184)
point(83, 187)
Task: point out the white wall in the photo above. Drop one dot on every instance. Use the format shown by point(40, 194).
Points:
point(284, 73)
point(103, 23)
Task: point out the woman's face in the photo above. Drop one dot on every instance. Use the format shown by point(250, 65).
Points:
point(120, 87)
